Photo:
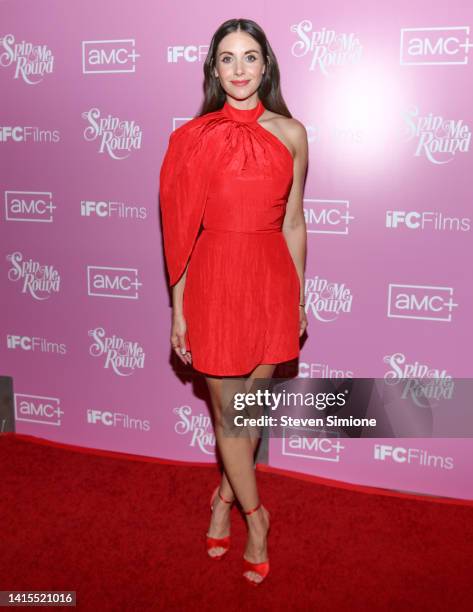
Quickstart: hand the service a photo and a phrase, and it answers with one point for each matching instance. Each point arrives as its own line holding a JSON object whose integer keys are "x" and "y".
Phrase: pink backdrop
{"x": 89, "y": 97}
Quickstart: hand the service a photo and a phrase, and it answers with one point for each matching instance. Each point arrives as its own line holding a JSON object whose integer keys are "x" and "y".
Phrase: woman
{"x": 238, "y": 286}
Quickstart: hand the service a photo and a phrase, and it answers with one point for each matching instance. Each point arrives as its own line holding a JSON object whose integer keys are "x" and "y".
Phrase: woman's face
{"x": 239, "y": 59}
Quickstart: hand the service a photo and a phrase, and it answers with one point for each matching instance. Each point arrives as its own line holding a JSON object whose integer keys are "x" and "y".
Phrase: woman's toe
{"x": 253, "y": 576}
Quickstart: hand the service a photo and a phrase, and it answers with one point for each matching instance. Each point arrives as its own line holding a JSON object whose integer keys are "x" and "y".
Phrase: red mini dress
{"x": 226, "y": 175}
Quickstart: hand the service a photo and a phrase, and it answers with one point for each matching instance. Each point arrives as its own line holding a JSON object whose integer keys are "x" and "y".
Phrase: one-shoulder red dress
{"x": 226, "y": 175}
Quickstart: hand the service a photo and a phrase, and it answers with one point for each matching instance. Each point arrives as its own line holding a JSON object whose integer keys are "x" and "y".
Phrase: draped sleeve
{"x": 183, "y": 186}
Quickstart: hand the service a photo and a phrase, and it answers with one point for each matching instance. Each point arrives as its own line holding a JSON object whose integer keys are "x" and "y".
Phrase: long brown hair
{"x": 269, "y": 91}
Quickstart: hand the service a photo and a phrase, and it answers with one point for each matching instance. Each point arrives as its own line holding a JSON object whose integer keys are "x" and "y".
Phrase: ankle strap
{"x": 223, "y": 499}
{"x": 253, "y": 510}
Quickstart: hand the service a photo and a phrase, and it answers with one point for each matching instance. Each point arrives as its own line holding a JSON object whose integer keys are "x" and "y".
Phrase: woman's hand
{"x": 178, "y": 338}
{"x": 302, "y": 320}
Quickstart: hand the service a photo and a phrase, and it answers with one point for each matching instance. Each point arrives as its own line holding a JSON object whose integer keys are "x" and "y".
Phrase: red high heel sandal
{"x": 262, "y": 569}
{"x": 218, "y": 542}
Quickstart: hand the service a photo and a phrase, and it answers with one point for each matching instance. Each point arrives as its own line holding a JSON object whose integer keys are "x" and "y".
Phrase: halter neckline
{"x": 243, "y": 115}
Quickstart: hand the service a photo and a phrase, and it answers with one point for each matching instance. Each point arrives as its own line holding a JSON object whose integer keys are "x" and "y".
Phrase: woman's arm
{"x": 294, "y": 226}
{"x": 179, "y": 324}
{"x": 178, "y": 293}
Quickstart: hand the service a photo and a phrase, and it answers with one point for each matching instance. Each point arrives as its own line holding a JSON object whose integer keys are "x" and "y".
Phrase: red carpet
{"x": 130, "y": 535}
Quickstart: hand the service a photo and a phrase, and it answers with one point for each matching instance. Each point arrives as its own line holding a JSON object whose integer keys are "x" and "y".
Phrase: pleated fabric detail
{"x": 226, "y": 175}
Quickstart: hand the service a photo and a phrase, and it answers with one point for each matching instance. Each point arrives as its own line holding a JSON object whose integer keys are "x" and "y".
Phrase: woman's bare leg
{"x": 239, "y": 476}
{"x": 261, "y": 371}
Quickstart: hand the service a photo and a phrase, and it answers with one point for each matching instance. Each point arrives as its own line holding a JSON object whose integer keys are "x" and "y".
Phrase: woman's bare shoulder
{"x": 294, "y": 128}
{"x": 290, "y": 129}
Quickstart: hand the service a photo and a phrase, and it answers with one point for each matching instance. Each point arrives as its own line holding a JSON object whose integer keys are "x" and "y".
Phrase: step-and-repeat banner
{"x": 91, "y": 92}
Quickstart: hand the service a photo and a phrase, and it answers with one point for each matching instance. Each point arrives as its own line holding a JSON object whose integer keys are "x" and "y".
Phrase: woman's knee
{"x": 218, "y": 416}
